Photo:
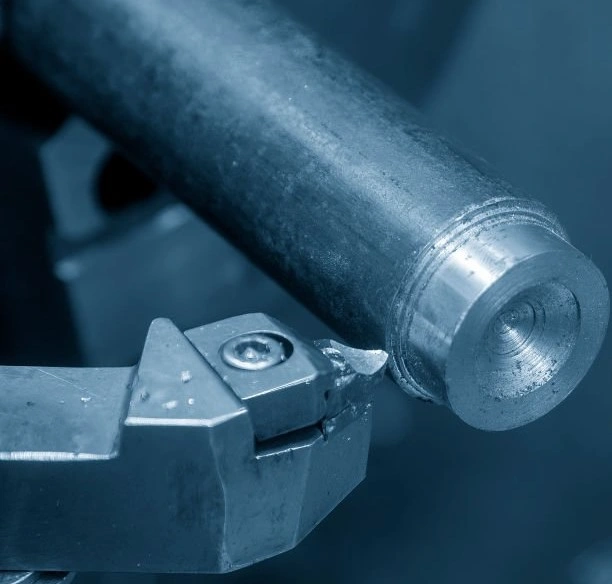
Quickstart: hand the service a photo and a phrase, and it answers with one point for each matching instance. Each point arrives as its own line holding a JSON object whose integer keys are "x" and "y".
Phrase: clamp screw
{"x": 256, "y": 351}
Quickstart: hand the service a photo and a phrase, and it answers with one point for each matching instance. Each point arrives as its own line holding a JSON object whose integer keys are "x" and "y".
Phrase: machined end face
{"x": 506, "y": 317}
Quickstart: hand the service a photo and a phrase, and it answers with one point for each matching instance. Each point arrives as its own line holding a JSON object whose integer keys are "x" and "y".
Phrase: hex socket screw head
{"x": 256, "y": 351}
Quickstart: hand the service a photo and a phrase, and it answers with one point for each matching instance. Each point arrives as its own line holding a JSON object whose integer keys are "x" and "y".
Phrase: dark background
{"x": 526, "y": 84}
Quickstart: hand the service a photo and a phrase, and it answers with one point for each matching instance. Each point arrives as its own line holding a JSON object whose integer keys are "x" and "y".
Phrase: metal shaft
{"x": 337, "y": 189}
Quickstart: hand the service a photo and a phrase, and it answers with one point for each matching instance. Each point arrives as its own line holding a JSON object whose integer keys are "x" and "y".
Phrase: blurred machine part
{"x": 593, "y": 565}
{"x": 224, "y": 446}
{"x": 338, "y": 190}
{"x": 109, "y": 219}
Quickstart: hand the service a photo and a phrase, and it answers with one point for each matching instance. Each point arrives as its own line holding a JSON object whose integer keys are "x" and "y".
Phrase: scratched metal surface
{"x": 76, "y": 411}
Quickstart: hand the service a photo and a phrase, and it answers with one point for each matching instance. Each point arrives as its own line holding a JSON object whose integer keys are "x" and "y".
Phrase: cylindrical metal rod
{"x": 337, "y": 189}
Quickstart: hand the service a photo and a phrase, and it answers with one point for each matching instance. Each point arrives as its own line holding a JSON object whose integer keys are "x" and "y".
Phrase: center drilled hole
{"x": 512, "y": 328}
{"x": 528, "y": 341}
